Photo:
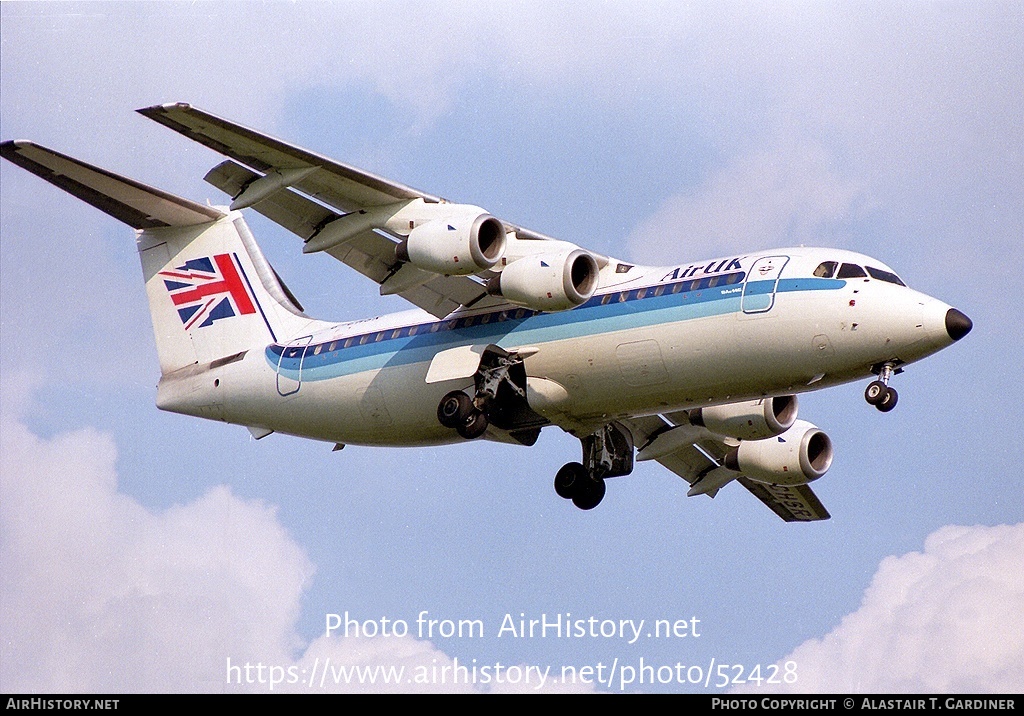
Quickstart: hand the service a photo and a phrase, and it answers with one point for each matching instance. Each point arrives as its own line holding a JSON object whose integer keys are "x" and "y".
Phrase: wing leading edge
{"x": 370, "y": 252}
{"x": 340, "y": 185}
{"x": 304, "y": 192}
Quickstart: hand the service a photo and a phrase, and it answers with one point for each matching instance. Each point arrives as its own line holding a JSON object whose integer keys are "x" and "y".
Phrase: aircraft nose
{"x": 958, "y": 324}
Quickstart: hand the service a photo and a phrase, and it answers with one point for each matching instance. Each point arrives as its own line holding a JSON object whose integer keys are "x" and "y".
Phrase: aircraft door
{"x": 761, "y": 284}
{"x": 289, "y": 380}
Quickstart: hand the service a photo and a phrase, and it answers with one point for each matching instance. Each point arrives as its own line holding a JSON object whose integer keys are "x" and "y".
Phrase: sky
{"x": 144, "y": 551}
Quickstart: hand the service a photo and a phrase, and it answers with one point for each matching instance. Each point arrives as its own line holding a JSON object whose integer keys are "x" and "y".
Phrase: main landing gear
{"x": 573, "y": 482}
{"x": 457, "y": 410}
{"x": 499, "y": 399}
{"x": 878, "y": 392}
{"x": 606, "y": 453}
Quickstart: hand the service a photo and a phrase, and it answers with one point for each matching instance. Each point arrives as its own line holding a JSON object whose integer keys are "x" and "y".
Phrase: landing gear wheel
{"x": 568, "y": 478}
{"x": 876, "y": 392}
{"x": 454, "y": 409}
{"x": 588, "y": 494}
{"x": 473, "y": 426}
{"x": 888, "y": 402}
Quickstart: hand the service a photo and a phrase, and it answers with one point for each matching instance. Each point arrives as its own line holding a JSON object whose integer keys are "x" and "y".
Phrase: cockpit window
{"x": 851, "y": 271}
{"x": 884, "y": 276}
{"x": 826, "y": 269}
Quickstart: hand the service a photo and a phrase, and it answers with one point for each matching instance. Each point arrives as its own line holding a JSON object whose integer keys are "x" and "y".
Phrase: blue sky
{"x": 141, "y": 550}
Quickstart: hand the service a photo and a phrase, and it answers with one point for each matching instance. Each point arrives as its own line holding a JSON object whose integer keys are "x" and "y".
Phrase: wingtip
{"x": 10, "y": 147}
{"x": 157, "y": 108}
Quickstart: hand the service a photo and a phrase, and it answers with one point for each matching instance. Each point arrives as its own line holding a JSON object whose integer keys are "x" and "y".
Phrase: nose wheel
{"x": 878, "y": 392}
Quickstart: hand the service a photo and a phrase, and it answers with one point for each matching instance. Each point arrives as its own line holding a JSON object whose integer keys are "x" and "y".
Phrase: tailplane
{"x": 211, "y": 292}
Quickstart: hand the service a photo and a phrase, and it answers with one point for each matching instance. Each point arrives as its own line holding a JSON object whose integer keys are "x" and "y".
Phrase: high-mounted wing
{"x": 280, "y": 181}
{"x": 697, "y": 455}
{"x": 339, "y": 185}
{"x": 368, "y": 252}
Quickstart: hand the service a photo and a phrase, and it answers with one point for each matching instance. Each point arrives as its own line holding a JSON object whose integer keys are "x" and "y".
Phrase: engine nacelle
{"x": 548, "y": 282}
{"x": 798, "y": 456}
{"x": 460, "y": 244}
{"x": 749, "y": 420}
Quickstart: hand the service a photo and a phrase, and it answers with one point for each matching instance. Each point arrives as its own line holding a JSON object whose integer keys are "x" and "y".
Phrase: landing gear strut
{"x": 606, "y": 453}
{"x": 498, "y": 399}
{"x": 878, "y": 392}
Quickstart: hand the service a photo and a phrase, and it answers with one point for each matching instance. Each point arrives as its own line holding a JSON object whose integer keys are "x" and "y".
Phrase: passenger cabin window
{"x": 851, "y": 271}
{"x": 884, "y": 276}
{"x": 826, "y": 269}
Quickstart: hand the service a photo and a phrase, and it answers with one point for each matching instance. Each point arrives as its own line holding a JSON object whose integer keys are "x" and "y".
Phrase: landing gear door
{"x": 454, "y": 363}
{"x": 761, "y": 284}
{"x": 289, "y": 366}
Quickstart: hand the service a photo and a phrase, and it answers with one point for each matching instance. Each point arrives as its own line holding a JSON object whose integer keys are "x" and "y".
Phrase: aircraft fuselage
{"x": 661, "y": 340}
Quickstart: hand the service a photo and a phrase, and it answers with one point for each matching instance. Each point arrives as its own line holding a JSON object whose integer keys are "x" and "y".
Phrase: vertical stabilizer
{"x": 212, "y": 293}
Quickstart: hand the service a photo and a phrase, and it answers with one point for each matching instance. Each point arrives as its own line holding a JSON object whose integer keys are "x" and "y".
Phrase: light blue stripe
{"x": 593, "y": 318}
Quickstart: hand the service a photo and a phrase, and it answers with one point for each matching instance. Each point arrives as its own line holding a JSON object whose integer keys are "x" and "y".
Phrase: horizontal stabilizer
{"x": 136, "y": 204}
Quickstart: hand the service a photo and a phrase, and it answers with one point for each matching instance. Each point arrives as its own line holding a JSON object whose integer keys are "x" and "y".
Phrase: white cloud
{"x": 789, "y": 196}
{"x": 943, "y": 620}
{"x": 100, "y": 594}
{"x": 406, "y": 665}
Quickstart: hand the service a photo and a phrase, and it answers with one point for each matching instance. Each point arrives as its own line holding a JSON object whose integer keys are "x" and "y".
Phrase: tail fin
{"x": 211, "y": 292}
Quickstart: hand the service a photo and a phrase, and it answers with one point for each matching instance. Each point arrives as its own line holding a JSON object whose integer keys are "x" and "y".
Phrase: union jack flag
{"x": 207, "y": 289}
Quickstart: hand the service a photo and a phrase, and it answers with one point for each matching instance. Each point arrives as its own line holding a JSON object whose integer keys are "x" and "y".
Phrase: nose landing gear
{"x": 878, "y": 392}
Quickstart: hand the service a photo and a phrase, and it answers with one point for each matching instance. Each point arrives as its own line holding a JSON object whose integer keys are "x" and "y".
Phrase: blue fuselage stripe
{"x": 602, "y": 314}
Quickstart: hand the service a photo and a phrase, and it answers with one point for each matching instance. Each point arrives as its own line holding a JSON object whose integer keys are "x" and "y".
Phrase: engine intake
{"x": 454, "y": 245}
{"x": 548, "y": 282}
{"x": 798, "y": 456}
{"x": 749, "y": 420}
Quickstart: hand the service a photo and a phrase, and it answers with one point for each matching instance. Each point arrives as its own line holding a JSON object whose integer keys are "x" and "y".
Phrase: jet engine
{"x": 456, "y": 245}
{"x": 798, "y": 456}
{"x": 548, "y": 282}
{"x": 749, "y": 420}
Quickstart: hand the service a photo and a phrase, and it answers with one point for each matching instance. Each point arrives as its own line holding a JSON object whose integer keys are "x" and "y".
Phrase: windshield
{"x": 884, "y": 276}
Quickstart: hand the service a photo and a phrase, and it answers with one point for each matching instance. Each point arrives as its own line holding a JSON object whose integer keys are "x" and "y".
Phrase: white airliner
{"x": 696, "y": 366}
